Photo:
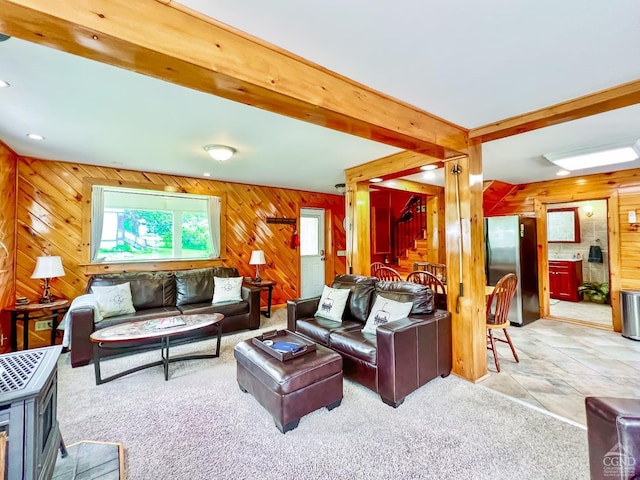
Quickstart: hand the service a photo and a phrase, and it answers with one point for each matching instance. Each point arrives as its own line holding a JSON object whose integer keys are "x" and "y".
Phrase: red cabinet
{"x": 565, "y": 277}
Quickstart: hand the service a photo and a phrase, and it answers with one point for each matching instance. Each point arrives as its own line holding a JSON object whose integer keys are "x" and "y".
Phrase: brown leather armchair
{"x": 401, "y": 356}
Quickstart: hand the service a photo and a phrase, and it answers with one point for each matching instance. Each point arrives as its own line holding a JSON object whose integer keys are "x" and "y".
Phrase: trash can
{"x": 630, "y": 302}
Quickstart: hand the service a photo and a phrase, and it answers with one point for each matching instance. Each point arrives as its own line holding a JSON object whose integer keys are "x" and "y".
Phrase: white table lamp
{"x": 46, "y": 269}
{"x": 257, "y": 259}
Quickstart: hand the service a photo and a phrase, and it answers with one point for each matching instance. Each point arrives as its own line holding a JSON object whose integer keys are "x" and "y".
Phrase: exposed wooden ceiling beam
{"x": 599, "y": 102}
{"x": 391, "y": 166}
{"x": 184, "y": 47}
{"x": 409, "y": 186}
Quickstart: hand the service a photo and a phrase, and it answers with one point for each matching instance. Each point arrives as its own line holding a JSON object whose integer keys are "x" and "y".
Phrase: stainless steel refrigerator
{"x": 511, "y": 247}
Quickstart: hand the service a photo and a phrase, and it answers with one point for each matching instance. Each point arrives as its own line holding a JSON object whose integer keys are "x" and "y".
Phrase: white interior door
{"x": 311, "y": 252}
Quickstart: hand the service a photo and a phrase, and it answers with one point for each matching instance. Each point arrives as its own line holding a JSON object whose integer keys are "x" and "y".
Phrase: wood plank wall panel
{"x": 8, "y": 161}
{"x": 49, "y": 221}
{"x": 629, "y": 200}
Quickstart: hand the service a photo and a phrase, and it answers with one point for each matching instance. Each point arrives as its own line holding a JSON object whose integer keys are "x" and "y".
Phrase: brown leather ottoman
{"x": 290, "y": 389}
{"x": 613, "y": 431}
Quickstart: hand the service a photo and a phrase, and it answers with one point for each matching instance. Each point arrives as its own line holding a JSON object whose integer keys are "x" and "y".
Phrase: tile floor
{"x": 562, "y": 363}
{"x": 584, "y": 311}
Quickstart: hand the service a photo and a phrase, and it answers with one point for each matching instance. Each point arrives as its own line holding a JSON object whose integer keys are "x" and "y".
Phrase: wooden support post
{"x": 359, "y": 235}
{"x": 437, "y": 225}
{"x": 467, "y": 307}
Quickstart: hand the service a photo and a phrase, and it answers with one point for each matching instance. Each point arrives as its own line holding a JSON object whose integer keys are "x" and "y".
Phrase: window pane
{"x": 309, "y": 236}
{"x": 196, "y": 236}
{"x": 136, "y": 235}
{"x": 141, "y": 225}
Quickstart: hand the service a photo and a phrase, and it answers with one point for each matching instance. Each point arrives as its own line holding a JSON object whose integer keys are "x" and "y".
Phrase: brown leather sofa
{"x": 613, "y": 433}
{"x": 161, "y": 294}
{"x": 402, "y": 356}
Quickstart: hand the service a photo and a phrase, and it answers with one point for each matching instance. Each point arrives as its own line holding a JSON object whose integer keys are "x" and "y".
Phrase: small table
{"x": 263, "y": 285}
{"x": 53, "y": 312}
{"x": 140, "y": 330}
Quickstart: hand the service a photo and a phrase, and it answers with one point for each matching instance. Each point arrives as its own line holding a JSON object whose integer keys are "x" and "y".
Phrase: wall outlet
{"x": 342, "y": 253}
{"x": 43, "y": 325}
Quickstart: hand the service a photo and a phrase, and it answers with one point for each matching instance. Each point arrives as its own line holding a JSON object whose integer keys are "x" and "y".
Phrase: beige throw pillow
{"x": 114, "y": 300}
{"x": 384, "y": 311}
{"x": 227, "y": 289}
{"x": 332, "y": 303}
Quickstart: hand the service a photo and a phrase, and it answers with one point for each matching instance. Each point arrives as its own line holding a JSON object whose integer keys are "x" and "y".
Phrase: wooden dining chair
{"x": 375, "y": 266}
{"x": 388, "y": 273}
{"x": 437, "y": 269}
{"x": 498, "y": 314}
{"x": 435, "y": 284}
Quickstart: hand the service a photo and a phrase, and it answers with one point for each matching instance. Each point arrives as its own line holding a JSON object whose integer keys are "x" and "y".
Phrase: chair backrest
{"x": 503, "y": 293}
{"x": 431, "y": 281}
{"x": 375, "y": 266}
{"x": 437, "y": 269}
{"x": 388, "y": 273}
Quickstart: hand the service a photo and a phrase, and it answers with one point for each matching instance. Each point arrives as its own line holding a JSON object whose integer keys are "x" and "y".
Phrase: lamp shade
{"x": 257, "y": 258}
{"x": 48, "y": 267}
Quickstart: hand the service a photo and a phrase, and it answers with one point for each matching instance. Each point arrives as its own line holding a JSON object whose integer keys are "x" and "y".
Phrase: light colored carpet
{"x": 199, "y": 425}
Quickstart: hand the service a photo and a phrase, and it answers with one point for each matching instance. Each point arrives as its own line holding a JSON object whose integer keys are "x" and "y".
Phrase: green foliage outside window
{"x": 195, "y": 232}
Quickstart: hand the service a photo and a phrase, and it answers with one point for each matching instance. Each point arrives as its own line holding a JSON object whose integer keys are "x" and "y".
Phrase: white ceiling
{"x": 471, "y": 63}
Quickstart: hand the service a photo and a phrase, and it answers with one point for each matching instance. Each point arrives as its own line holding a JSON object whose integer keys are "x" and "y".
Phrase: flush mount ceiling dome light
{"x": 220, "y": 152}
{"x": 596, "y": 156}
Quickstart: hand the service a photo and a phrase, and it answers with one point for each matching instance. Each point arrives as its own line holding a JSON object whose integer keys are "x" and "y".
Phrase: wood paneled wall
{"x": 49, "y": 221}
{"x": 8, "y": 161}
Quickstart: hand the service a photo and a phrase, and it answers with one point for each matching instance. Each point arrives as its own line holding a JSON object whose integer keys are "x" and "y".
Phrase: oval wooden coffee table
{"x": 141, "y": 330}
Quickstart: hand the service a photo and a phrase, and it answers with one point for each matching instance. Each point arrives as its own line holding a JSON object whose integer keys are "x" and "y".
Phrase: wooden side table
{"x": 53, "y": 311}
{"x": 263, "y": 285}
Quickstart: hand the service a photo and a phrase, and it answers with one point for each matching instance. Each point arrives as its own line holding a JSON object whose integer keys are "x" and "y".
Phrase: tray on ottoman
{"x": 268, "y": 340}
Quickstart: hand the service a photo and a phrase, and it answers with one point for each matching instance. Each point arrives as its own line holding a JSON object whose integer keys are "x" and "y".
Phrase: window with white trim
{"x": 129, "y": 225}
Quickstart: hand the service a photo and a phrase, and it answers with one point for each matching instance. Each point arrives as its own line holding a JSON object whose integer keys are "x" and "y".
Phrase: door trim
{"x": 329, "y": 262}
{"x": 613, "y": 227}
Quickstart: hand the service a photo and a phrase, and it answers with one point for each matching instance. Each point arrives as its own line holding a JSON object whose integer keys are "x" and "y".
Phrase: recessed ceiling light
{"x": 563, "y": 173}
{"x": 599, "y": 156}
{"x": 426, "y": 168}
{"x": 220, "y": 152}
{"x": 376, "y": 180}
{"x": 35, "y": 136}
{"x": 4, "y": 84}
{"x": 206, "y": 174}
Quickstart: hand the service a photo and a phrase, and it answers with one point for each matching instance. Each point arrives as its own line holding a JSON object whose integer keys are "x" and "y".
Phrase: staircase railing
{"x": 409, "y": 226}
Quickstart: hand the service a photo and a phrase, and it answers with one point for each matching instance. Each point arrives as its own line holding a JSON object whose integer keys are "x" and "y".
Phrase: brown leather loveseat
{"x": 401, "y": 356}
{"x": 160, "y": 294}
